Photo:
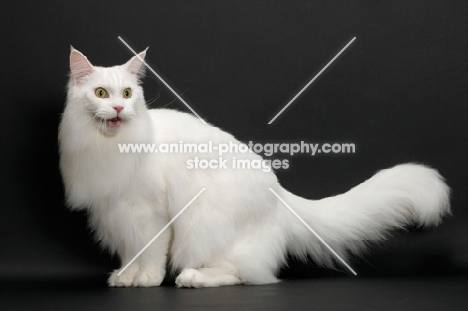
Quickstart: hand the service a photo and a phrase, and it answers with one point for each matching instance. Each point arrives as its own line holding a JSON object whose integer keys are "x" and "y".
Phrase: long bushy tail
{"x": 392, "y": 198}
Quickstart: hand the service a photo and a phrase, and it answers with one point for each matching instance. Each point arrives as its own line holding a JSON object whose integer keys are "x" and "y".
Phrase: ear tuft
{"x": 136, "y": 64}
{"x": 80, "y": 67}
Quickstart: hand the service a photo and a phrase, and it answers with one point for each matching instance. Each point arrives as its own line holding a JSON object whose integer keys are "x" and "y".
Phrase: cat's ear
{"x": 80, "y": 67}
{"x": 135, "y": 64}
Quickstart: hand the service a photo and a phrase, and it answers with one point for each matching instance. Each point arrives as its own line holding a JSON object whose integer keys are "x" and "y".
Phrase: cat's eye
{"x": 127, "y": 93}
{"x": 100, "y": 92}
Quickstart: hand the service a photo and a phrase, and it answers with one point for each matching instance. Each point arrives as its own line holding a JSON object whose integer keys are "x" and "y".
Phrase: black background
{"x": 398, "y": 93}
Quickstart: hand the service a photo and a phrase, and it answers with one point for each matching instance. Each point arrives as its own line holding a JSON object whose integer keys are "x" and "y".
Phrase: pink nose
{"x": 118, "y": 108}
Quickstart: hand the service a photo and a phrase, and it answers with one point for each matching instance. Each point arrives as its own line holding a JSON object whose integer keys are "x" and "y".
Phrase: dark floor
{"x": 347, "y": 293}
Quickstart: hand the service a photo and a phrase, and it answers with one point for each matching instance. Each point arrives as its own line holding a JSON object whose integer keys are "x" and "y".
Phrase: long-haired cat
{"x": 237, "y": 231}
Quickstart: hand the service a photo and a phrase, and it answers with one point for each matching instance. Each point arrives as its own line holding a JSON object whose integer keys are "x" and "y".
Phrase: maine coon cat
{"x": 237, "y": 231}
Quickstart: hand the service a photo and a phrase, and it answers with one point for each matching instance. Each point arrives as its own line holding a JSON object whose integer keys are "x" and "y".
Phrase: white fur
{"x": 236, "y": 231}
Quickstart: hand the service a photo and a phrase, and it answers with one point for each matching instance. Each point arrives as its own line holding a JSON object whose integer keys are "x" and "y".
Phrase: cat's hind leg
{"x": 254, "y": 259}
{"x": 207, "y": 277}
{"x": 247, "y": 263}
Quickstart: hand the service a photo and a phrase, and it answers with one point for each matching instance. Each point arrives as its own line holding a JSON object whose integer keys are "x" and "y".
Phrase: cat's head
{"x": 105, "y": 97}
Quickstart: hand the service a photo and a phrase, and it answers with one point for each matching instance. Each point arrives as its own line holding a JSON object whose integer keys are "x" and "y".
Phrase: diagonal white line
{"x": 313, "y": 79}
{"x": 315, "y": 233}
{"x": 159, "y": 233}
{"x": 162, "y": 80}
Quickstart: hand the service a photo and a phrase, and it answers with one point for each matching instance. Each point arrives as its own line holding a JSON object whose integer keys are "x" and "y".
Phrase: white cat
{"x": 236, "y": 231}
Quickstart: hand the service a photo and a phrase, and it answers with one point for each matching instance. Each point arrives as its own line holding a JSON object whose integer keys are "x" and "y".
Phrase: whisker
{"x": 101, "y": 126}
{"x": 152, "y": 100}
{"x": 87, "y": 121}
{"x": 172, "y": 101}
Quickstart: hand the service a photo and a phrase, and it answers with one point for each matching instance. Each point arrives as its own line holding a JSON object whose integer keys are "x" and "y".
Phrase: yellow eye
{"x": 100, "y": 92}
{"x": 127, "y": 93}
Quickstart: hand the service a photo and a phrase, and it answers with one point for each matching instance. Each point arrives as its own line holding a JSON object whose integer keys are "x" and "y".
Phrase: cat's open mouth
{"x": 113, "y": 123}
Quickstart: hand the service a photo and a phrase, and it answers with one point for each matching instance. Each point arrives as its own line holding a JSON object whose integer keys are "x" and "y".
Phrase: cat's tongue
{"x": 113, "y": 123}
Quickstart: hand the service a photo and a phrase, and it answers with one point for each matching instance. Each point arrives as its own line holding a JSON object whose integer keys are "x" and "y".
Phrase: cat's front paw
{"x": 148, "y": 279}
{"x": 123, "y": 280}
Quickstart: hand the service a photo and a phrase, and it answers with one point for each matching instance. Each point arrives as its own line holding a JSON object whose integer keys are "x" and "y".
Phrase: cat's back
{"x": 172, "y": 126}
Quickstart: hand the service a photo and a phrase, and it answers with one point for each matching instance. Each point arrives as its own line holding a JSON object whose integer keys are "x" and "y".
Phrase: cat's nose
{"x": 118, "y": 108}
